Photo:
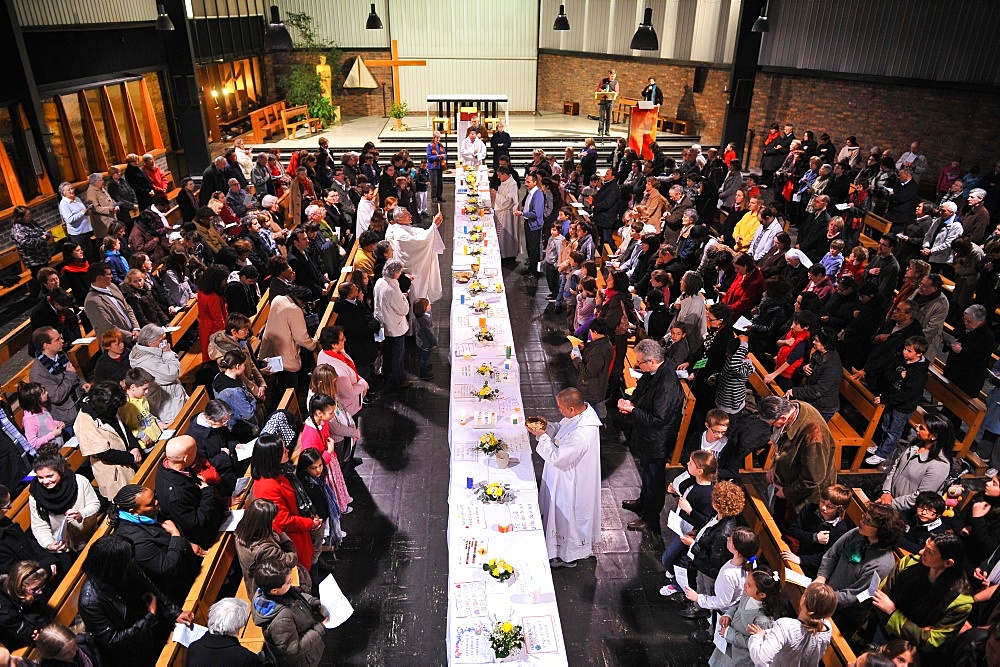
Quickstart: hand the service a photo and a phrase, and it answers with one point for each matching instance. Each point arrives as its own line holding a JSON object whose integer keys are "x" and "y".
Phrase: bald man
{"x": 191, "y": 492}
{"x": 570, "y": 493}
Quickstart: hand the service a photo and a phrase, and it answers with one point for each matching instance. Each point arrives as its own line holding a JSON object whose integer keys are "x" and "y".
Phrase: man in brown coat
{"x": 653, "y": 202}
{"x": 104, "y": 210}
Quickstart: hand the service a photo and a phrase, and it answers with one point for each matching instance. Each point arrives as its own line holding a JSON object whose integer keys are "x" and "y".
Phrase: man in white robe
{"x": 504, "y": 202}
{"x": 473, "y": 150}
{"x": 418, "y": 249}
{"x": 570, "y": 495}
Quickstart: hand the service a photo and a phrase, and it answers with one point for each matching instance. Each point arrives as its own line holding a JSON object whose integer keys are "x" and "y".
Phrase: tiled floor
{"x": 393, "y": 564}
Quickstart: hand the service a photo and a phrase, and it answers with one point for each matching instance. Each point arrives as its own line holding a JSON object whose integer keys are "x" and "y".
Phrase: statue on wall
{"x": 325, "y": 78}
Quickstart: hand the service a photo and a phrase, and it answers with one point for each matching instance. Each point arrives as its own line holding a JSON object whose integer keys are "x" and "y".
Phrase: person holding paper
{"x": 592, "y": 360}
{"x": 64, "y": 506}
{"x": 292, "y": 620}
{"x": 221, "y": 645}
{"x": 743, "y": 544}
{"x": 862, "y": 553}
{"x": 796, "y": 641}
{"x": 569, "y": 498}
{"x": 761, "y": 603}
{"x": 693, "y": 489}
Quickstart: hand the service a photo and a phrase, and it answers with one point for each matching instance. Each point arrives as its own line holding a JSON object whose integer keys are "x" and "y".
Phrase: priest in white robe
{"x": 504, "y": 202}
{"x": 570, "y": 494}
{"x": 472, "y": 150}
{"x": 418, "y": 249}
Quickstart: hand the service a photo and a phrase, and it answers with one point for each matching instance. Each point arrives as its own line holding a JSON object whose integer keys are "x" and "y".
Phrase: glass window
{"x": 59, "y": 146}
{"x": 11, "y": 136}
{"x": 121, "y": 117}
{"x": 71, "y": 105}
{"x": 135, "y": 95}
{"x": 156, "y": 99}
{"x": 103, "y": 125}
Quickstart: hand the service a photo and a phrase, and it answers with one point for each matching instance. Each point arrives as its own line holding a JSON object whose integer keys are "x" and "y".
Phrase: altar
{"x": 448, "y": 105}
{"x": 486, "y": 406}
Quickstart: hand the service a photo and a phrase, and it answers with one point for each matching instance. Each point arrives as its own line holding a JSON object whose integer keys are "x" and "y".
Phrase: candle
{"x": 468, "y": 482}
{"x": 465, "y": 229}
{"x": 513, "y": 419}
{"x": 465, "y": 248}
{"x": 482, "y": 322}
{"x": 506, "y": 365}
{"x": 508, "y": 351}
{"x": 461, "y": 417}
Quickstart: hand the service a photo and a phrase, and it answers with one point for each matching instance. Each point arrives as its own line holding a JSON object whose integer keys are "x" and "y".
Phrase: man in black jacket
{"x": 241, "y": 294}
{"x": 185, "y": 495}
{"x": 606, "y": 206}
{"x": 903, "y": 201}
{"x": 213, "y": 179}
{"x": 654, "y": 415}
{"x": 887, "y": 350}
{"x": 969, "y": 359}
{"x": 57, "y": 310}
{"x": 307, "y": 274}
{"x": 360, "y": 327}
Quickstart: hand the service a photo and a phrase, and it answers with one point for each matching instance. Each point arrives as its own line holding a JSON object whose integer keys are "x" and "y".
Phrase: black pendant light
{"x": 644, "y": 38}
{"x": 276, "y": 37}
{"x": 562, "y": 23}
{"x": 163, "y": 21}
{"x": 374, "y": 22}
{"x": 761, "y": 24}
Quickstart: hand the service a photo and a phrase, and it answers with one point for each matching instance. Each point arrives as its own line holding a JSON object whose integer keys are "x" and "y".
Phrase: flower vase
{"x": 513, "y": 657}
{"x": 503, "y": 459}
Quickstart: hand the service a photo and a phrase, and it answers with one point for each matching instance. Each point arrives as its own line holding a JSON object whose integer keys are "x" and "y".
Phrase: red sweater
{"x": 794, "y": 354}
{"x": 288, "y": 521}
{"x": 212, "y": 314}
{"x": 745, "y": 292}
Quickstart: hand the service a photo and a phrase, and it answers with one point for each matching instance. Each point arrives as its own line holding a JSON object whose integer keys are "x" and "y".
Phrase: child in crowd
{"x": 39, "y": 425}
{"x": 753, "y": 190}
{"x": 905, "y": 388}
{"x": 291, "y": 619}
{"x": 550, "y": 261}
{"x": 135, "y": 413}
{"x": 834, "y": 260}
{"x": 760, "y": 605}
{"x": 564, "y": 218}
{"x": 421, "y": 181}
{"x": 714, "y": 438}
{"x": 571, "y": 274}
{"x": 709, "y": 551}
{"x": 797, "y": 641}
{"x": 731, "y": 382}
{"x": 743, "y": 545}
{"x": 792, "y": 349}
{"x": 318, "y": 432}
{"x": 424, "y": 334}
{"x": 678, "y": 348}
{"x": 311, "y": 471}
{"x": 693, "y": 489}
{"x": 113, "y": 256}
{"x": 816, "y": 527}
{"x": 231, "y": 390}
{"x": 925, "y": 521}
{"x": 586, "y": 304}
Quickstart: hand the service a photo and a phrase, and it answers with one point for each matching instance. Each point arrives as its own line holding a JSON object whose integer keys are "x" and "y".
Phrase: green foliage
{"x": 311, "y": 42}
{"x": 398, "y": 110}
{"x": 302, "y": 83}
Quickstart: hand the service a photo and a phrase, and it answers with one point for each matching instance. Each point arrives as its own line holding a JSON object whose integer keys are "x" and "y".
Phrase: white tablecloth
{"x": 476, "y": 601}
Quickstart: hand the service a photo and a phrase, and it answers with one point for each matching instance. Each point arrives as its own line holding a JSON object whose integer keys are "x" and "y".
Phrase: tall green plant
{"x": 302, "y": 83}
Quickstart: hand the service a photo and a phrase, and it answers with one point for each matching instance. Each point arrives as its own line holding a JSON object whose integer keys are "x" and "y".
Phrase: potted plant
{"x": 398, "y": 111}
{"x": 506, "y": 639}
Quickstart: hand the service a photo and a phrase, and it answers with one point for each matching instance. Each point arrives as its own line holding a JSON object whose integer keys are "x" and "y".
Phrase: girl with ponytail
{"x": 796, "y": 641}
{"x": 760, "y": 605}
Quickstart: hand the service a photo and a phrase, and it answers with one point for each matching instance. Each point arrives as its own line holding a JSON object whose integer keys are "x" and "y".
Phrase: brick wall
{"x": 353, "y": 102}
{"x": 571, "y": 78}
{"x": 947, "y": 123}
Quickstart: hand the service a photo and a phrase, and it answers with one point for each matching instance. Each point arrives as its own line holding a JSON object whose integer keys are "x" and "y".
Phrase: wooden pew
{"x": 15, "y": 341}
{"x": 972, "y": 411}
{"x": 845, "y": 434}
{"x": 10, "y": 261}
{"x": 758, "y": 518}
{"x": 763, "y": 389}
{"x": 291, "y": 125}
{"x": 876, "y": 223}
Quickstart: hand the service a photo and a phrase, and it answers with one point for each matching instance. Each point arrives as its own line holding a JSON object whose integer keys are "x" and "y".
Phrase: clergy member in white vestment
{"x": 504, "y": 202}
{"x": 570, "y": 495}
{"x": 473, "y": 150}
{"x": 418, "y": 249}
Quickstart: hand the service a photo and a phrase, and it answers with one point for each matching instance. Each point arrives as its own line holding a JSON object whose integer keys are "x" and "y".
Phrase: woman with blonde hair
{"x": 22, "y": 612}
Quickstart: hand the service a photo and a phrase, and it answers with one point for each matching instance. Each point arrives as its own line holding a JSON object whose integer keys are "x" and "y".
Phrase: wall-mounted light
{"x": 373, "y": 22}
{"x": 163, "y": 21}
{"x": 761, "y": 24}
{"x": 215, "y": 93}
{"x": 276, "y": 37}
{"x": 645, "y": 38}
{"x": 562, "y": 22}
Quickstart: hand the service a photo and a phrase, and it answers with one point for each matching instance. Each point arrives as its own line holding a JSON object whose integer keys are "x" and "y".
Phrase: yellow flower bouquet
{"x": 484, "y": 335}
{"x": 499, "y": 569}
{"x": 487, "y": 393}
{"x": 506, "y": 638}
{"x": 476, "y": 287}
{"x": 487, "y": 370}
{"x": 494, "y": 492}
{"x": 475, "y": 250}
{"x": 489, "y": 444}
{"x": 480, "y": 306}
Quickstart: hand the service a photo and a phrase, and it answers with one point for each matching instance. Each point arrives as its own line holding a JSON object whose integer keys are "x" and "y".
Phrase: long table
{"x": 476, "y": 602}
{"x": 448, "y": 105}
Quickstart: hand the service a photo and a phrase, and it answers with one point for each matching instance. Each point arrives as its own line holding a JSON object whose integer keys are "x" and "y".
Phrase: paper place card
{"x": 276, "y": 364}
{"x": 842, "y": 207}
{"x": 472, "y": 552}
{"x": 472, "y": 644}
{"x": 465, "y": 451}
{"x": 539, "y": 634}
{"x": 244, "y": 450}
{"x": 742, "y": 324}
{"x": 525, "y": 516}
{"x": 241, "y": 484}
{"x": 872, "y": 587}
{"x": 797, "y": 578}
{"x": 231, "y": 521}
{"x": 469, "y": 598}
{"x": 634, "y": 373}
{"x": 171, "y": 329}
{"x": 338, "y": 609}
{"x": 72, "y": 443}
{"x": 470, "y": 517}
{"x": 186, "y": 636}
{"x": 464, "y": 391}
{"x": 84, "y": 341}
{"x": 465, "y": 350}
{"x": 168, "y": 433}
{"x": 719, "y": 641}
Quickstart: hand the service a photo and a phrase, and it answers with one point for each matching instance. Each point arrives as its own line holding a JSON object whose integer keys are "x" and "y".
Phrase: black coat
{"x": 137, "y": 178}
{"x": 715, "y": 358}
{"x": 307, "y": 274}
{"x": 812, "y": 236}
{"x": 212, "y": 180}
{"x": 822, "y": 388}
{"x": 710, "y": 552}
{"x": 241, "y": 298}
{"x": 606, "y": 205}
{"x": 16, "y": 545}
{"x": 164, "y": 558}
{"x": 221, "y": 651}
{"x": 360, "y": 327}
{"x": 658, "y": 399}
{"x": 765, "y": 328}
{"x": 43, "y": 315}
{"x": 14, "y": 463}
{"x": 212, "y": 440}
{"x": 968, "y": 368}
{"x": 19, "y": 621}
{"x": 903, "y": 204}
{"x": 125, "y": 632}
{"x": 803, "y": 530}
{"x": 198, "y": 513}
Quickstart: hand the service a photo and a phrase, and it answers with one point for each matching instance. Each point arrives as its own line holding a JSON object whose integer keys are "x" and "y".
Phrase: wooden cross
{"x": 395, "y": 63}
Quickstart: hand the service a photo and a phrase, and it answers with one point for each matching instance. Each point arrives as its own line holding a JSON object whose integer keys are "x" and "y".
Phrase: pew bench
{"x": 873, "y": 227}
{"x": 295, "y": 117}
{"x": 20, "y": 276}
{"x": 844, "y": 433}
{"x": 970, "y": 410}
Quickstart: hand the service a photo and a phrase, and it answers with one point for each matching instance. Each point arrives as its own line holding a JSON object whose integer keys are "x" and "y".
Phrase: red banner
{"x": 642, "y": 130}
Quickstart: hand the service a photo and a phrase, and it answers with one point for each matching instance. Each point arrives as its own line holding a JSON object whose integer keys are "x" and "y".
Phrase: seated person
{"x": 135, "y": 414}
{"x": 923, "y": 464}
{"x": 210, "y": 429}
{"x": 221, "y": 645}
{"x": 978, "y": 524}
{"x": 191, "y": 492}
{"x": 816, "y": 528}
{"x": 16, "y": 545}
{"x": 792, "y": 349}
{"x": 291, "y": 619}
{"x": 232, "y": 390}
{"x": 22, "y": 612}
{"x": 860, "y": 554}
{"x": 924, "y": 522}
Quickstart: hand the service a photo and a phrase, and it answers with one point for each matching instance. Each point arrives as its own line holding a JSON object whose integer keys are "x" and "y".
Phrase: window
{"x": 22, "y": 174}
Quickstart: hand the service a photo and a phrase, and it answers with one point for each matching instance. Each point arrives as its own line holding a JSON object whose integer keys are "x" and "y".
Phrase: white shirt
{"x": 473, "y": 152}
{"x": 366, "y": 208}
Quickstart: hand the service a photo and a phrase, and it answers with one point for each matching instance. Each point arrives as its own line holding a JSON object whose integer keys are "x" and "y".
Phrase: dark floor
{"x": 393, "y": 564}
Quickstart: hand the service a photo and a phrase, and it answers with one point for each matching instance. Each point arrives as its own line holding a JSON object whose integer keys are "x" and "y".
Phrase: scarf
{"x": 301, "y": 496}
{"x": 331, "y": 500}
{"x": 136, "y": 518}
{"x": 342, "y": 356}
{"x": 14, "y": 434}
{"x": 924, "y": 299}
{"x": 55, "y": 366}
{"x": 77, "y": 267}
{"x": 278, "y": 424}
{"x": 56, "y": 500}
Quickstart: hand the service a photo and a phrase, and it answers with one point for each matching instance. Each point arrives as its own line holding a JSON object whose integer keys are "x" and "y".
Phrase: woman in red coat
{"x": 295, "y": 515}
{"x": 212, "y": 308}
{"x": 747, "y": 289}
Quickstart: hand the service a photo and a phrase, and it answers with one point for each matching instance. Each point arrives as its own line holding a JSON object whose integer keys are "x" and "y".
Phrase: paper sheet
{"x": 634, "y": 373}
{"x": 241, "y": 484}
{"x": 842, "y": 207}
{"x": 677, "y": 524}
{"x": 681, "y": 577}
{"x": 742, "y": 324}
{"x": 797, "y": 578}
{"x": 338, "y": 608}
{"x": 539, "y": 634}
{"x": 171, "y": 329}
{"x": 231, "y": 521}
{"x": 872, "y": 587}
{"x": 275, "y": 364}
{"x": 84, "y": 341}
{"x": 245, "y": 450}
{"x": 72, "y": 442}
{"x": 58, "y": 536}
{"x": 574, "y": 341}
{"x": 186, "y": 636}
{"x": 167, "y": 434}
{"x": 470, "y": 598}
{"x": 719, "y": 640}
